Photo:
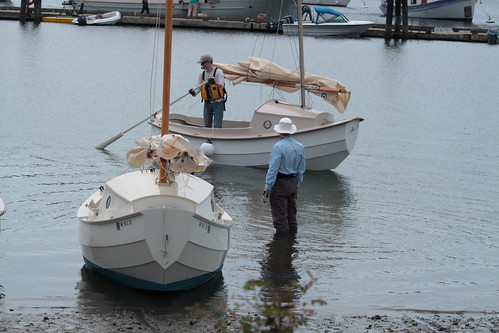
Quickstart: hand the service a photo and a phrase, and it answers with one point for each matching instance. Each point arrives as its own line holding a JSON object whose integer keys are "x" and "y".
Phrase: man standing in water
{"x": 284, "y": 176}
{"x": 213, "y": 92}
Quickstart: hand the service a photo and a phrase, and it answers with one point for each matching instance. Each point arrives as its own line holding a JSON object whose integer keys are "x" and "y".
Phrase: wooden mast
{"x": 300, "y": 50}
{"x": 165, "y": 120}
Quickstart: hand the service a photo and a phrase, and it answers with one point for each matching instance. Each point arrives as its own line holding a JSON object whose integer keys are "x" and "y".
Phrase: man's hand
{"x": 192, "y": 92}
{"x": 211, "y": 80}
{"x": 265, "y": 195}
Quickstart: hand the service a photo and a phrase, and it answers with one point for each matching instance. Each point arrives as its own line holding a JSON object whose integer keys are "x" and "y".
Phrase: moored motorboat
{"x": 328, "y": 22}
{"x": 109, "y": 18}
{"x": 460, "y": 10}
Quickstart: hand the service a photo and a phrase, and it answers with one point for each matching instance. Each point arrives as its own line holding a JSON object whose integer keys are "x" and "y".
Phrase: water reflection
{"x": 279, "y": 276}
{"x": 97, "y": 292}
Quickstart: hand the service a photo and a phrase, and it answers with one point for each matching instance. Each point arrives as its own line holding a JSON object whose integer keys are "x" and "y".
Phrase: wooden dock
{"x": 377, "y": 31}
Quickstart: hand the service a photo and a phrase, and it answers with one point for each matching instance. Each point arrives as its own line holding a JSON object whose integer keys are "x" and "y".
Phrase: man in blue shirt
{"x": 284, "y": 176}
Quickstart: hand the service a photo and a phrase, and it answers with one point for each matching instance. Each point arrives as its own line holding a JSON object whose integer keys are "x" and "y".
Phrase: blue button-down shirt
{"x": 288, "y": 157}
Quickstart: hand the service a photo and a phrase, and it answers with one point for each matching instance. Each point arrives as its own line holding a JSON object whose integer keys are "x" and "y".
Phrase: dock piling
{"x": 401, "y": 19}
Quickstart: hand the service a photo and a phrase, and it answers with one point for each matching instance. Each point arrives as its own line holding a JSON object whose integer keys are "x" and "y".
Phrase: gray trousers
{"x": 282, "y": 200}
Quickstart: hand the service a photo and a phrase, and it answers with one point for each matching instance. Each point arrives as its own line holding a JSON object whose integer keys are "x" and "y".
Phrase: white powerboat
{"x": 109, "y": 18}
{"x": 461, "y": 10}
{"x": 157, "y": 229}
{"x": 328, "y": 22}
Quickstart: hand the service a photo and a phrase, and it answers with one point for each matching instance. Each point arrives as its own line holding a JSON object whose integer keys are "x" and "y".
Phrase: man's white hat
{"x": 285, "y": 126}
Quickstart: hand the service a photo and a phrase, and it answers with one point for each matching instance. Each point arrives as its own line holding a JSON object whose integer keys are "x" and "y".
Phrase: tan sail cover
{"x": 269, "y": 73}
{"x": 177, "y": 150}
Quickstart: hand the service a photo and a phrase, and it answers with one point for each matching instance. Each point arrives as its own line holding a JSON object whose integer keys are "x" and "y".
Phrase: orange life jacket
{"x": 210, "y": 92}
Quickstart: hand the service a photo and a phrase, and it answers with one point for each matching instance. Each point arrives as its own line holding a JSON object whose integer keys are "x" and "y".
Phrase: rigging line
{"x": 154, "y": 61}
{"x": 483, "y": 10}
{"x": 154, "y": 66}
{"x": 275, "y": 37}
{"x": 152, "y": 80}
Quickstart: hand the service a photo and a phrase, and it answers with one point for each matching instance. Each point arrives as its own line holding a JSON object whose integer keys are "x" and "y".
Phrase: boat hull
{"x": 161, "y": 240}
{"x": 347, "y": 29}
{"x": 327, "y": 142}
{"x": 109, "y": 18}
{"x": 240, "y": 9}
{"x": 3, "y": 208}
{"x": 461, "y": 10}
{"x": 338, "y": 3}
{"x": 58, "y": 19}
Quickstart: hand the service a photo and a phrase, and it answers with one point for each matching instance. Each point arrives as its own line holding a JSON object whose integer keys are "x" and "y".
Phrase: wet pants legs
{"x": 283, "y": 205}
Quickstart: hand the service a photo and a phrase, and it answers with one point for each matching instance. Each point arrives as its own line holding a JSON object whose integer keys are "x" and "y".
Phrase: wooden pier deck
{"x": 377, "y": 31}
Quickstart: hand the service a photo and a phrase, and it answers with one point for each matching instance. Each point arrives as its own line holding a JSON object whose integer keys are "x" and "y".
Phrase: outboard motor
{"x": 287, "y": 19}
{"x": 82, "y": 20}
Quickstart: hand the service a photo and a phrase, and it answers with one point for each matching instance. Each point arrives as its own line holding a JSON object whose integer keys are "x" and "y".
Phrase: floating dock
{"x": 378, "y": 30}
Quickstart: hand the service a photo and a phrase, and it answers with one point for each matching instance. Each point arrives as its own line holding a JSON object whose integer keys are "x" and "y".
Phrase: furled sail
{"x": 266, "y": 72}
{"x": 181, "y": 154}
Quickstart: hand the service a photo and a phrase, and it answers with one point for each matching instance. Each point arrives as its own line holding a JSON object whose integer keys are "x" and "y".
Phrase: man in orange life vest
{"x": 212, "y": 93}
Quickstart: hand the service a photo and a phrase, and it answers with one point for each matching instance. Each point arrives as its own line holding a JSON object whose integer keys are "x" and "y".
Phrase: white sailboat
{"x": 248, "y": 143}
{"x": 157, "y": 229}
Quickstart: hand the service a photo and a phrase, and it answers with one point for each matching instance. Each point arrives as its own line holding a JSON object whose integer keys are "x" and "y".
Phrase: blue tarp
{"x": 323, "y": 10}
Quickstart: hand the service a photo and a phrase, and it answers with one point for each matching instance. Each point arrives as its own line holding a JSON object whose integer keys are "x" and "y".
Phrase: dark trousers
{"x": 145, "y": 7}
{"x": 282, "y": 200}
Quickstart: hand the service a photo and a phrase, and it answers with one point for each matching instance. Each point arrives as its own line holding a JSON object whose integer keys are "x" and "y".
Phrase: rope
{"x": 154, "y": 61}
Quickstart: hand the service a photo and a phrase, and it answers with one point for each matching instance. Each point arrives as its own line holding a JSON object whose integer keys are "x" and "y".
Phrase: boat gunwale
{"x": 88, "y": 220}
{"x": 214, "y": 223}
{"x": 211, "y": 132}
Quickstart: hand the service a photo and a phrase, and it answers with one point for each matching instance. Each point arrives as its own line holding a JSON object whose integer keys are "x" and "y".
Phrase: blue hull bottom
{"x": 147, "y": 285}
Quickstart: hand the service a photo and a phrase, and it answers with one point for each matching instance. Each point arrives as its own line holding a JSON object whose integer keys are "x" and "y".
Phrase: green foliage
{"x": 275, "y": 309}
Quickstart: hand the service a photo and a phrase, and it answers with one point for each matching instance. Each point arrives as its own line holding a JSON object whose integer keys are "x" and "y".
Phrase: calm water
{"x": 408, "y": 222}
{"x": 485, "y": 10}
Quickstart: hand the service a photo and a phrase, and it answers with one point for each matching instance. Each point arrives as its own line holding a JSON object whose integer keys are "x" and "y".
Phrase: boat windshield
{"x": 327, "y": 15}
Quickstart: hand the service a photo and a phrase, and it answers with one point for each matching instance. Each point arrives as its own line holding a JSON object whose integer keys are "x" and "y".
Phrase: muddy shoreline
{"x": 123, "y": 320}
